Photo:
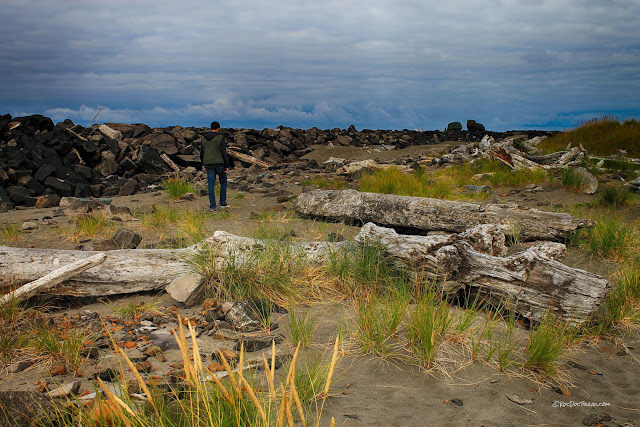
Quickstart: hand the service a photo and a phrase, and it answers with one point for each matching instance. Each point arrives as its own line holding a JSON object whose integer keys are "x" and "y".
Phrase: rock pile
{"x": 40, "y": 161}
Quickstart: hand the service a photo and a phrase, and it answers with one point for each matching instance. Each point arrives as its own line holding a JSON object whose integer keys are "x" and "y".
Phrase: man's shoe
{"x": 212, "y": 209}
{"x": 224, "y": 206}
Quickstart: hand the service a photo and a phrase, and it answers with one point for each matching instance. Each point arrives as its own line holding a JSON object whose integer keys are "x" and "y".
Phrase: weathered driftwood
{"x": 134, "y": 270}
{"x": 109, "y": 132}
{"x": 80, "y": 137}
{"x": 54, "y": 278}
{"x": 531, "y": 282}
{"x": 435, "y": 214}
{"x": 247, "y": 158}
{"x": 169, "y": 162}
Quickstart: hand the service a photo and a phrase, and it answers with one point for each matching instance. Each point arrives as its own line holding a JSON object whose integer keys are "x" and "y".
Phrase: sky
{"x": 376, "y": 64}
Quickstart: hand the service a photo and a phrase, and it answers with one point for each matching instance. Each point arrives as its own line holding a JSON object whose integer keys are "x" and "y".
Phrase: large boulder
{"x": 26, "y": 408}
{"x": 60, "y": 186}
{"x": 162, "y": 143}
{"x": 454, "y": 126}
{"x": 473, "y": 126}
{"x": 149, "y": 161}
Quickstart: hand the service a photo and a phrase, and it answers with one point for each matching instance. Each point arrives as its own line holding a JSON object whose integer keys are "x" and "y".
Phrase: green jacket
{"x": 213, "y": 150}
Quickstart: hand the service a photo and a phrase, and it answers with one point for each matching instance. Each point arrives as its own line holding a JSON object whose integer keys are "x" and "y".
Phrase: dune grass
{"x": 177, "y": 187}
{"x": 547, "y": 342}
{"x": 613, "y": 197}
{"x": 449, "y": 182}
{"x": 10, "y": 233}
{"x": 188, "y": 226}
{"x": 611, "y": 237}
{"x": 89, "y": 226}
{"x": 600, "y": 136}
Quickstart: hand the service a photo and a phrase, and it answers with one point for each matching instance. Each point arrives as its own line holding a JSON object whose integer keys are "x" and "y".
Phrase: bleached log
{"x": 80, "y": 137}
{"x": 109, "y": 132}
{"x": 247, "y": 158}
{"x": 567, "y": 157}
{"x": 169, "y": 162}
{"x": 532, "y": 282}
{"x": 135, "y": 270}
{"x": 428, "y": 214}
{"x": 55, "y": 277}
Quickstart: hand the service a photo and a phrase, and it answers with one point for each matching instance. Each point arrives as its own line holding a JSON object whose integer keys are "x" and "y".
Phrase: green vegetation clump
{"x": 610, "y": 238}
{"x": 10, "y": 233}
{"x": 449, "y": 182}
{"x": 177, "y": 187}
{"x": 613, "y": 197}
{"x": 418, "y": 183}
{"x": 599, "y": 136}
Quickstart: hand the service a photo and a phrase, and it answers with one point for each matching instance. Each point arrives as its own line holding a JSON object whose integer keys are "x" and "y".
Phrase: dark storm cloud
{"x": 377, "y": 64}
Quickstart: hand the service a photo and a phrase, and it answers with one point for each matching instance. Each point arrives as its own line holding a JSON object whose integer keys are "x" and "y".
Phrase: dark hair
{"x": 215, "y": 125}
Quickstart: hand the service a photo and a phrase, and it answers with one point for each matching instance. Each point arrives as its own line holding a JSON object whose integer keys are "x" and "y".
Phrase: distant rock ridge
{"x": 40, "y": 158}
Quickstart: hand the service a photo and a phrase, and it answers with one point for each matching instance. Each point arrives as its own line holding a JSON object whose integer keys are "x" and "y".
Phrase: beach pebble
{"x": 593, "y": 419}
{"x": 519, "y": 400}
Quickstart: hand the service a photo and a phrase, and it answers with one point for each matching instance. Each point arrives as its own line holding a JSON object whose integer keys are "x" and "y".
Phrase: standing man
{"x": 213, "y": 155}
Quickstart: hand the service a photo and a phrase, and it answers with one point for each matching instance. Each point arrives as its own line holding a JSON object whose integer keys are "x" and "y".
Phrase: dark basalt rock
{"x": 68, "y": 159}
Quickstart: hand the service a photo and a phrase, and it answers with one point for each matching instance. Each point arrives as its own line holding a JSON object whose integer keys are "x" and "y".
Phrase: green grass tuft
{"x": 613, "y": 197}
{"x": 177, "y": 187}
{"x": 426, "y": 328}
{"x": 547, "y": 343}
{"x": 10, "y": 233}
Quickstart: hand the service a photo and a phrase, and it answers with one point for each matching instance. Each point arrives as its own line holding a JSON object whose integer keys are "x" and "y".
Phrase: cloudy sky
{"x": 509, "y": 64}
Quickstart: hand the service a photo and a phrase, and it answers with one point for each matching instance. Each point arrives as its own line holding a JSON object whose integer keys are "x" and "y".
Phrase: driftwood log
{"x": 247, "y": 158}
{"x": 423, "y": 213}
{"x": 53, "y": 278}
{"x": 532, "y": 282}
{"x": 134, "y": 270}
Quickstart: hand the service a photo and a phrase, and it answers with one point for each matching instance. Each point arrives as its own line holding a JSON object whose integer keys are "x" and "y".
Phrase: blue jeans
{"x": 211, "y": 182}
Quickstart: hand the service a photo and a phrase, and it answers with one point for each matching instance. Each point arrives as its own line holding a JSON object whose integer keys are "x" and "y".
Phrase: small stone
{"x": 230, "y": 356}
{"x": 187, "y": 288}
{"x": 108, "y": 374}
{"x": 29, "y": 225}
{"x": 576, "y": 365}
{"x": 19, "y": 366}
{"x": 91, "y": 352}
{"x": 47, "y": 201}
{"x": 255, "y": 343}
{"x": 58, "y": 370}
{"x": 216, "y": 367}
{"x": 519, "y": 400}
{"x": 152, "y": 351}
{"x": 66, "y": 390}
{"x": 243, "y": 317}
{"x": 594, "y": 419}
{"x": 164, "y": 340}
{"x": 494, "y": 380}
{"x": 458, "y": 402}
{"x": 188, "y": 196}
{"x": 209, "y": 304}
{"x": 145, "y": 366}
